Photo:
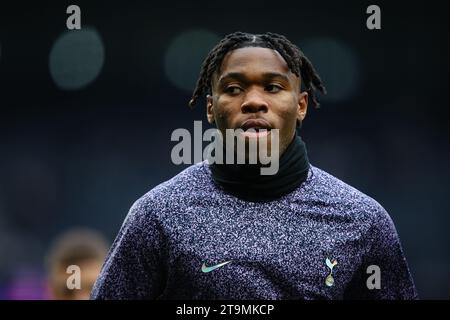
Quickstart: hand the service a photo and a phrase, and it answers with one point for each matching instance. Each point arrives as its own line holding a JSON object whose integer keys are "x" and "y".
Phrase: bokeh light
{"x": 185, "y": 55}
{"x": 336, "y": 64}
{"x": 76, "y": 58}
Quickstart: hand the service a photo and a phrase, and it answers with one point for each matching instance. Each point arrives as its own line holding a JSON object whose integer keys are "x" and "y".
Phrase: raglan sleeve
{"x": 134, "y": 267}
{"x": 384, "y": 273}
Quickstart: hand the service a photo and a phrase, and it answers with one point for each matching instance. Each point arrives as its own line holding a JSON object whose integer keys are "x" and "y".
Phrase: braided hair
{"x": 297, "y": 62}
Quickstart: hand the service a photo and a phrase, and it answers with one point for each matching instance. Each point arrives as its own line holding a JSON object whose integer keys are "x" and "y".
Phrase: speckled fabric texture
{"x": 277, "y": 249}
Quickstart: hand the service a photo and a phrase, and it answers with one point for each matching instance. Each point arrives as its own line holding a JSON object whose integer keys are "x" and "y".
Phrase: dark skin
{"x": 256, "y": 83}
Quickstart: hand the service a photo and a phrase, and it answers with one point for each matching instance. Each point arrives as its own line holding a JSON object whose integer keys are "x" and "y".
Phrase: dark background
{"x": 85, "y": 124}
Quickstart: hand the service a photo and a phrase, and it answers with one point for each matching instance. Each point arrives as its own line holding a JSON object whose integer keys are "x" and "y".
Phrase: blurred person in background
{"x": 83, "y": 248}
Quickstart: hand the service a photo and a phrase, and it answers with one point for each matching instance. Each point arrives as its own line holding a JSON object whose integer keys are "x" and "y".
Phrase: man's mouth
{"x": 255, "y": 128}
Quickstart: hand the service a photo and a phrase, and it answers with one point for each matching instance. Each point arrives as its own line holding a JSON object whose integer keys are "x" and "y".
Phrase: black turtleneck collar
{"x": 246, "y": 182}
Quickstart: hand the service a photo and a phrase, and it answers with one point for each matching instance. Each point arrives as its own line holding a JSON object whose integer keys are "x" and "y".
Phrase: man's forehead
{"x": 255, "y": 61}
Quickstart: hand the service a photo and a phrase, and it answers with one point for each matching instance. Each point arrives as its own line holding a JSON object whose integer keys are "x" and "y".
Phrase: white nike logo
{"x": 206, "y": 269}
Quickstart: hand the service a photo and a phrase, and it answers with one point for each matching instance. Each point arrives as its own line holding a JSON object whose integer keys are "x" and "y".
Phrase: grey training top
{"x": 274, "y": 250}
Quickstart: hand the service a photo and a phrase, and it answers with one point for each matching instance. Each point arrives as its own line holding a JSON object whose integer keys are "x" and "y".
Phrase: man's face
{"x": 256, "y": 83}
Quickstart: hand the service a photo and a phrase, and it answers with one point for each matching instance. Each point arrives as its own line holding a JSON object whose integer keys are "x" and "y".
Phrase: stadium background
{"x": 86, "y": 116}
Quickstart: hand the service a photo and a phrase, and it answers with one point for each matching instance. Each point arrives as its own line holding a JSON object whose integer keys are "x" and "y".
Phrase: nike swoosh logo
{"x": 206, "y": 269}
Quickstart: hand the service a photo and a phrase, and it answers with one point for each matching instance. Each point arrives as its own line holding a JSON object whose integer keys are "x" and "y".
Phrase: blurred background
{"x": 86, "y": 116}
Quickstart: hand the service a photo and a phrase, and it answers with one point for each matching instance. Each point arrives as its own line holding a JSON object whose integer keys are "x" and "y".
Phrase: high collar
{"x": 246, "y": 182}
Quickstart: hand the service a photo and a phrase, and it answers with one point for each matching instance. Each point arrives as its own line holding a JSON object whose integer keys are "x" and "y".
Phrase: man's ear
{"x": 209, "y": 109}
{"x": 302, "y": 106}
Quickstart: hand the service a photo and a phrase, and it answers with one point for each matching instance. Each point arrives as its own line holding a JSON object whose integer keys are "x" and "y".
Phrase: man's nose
{"x": 254, "y": 102}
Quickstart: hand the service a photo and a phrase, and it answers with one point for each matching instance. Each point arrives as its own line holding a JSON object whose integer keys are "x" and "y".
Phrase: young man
{"x": 224, "y": 231}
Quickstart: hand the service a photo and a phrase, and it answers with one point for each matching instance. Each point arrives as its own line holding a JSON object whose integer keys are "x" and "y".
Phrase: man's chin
{"x": 255, "y": 147}
{"x": 255, "y": 134}
{"x": 251, "y": 145}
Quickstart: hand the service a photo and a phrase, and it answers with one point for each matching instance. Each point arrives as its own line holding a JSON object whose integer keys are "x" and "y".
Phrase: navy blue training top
{"x": 189, "y": 239}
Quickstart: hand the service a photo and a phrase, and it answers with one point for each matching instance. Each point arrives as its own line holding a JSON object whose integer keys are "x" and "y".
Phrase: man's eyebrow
{"x": 241, "y": 77}
{"x": 232, "y": 76}
{"x": 271, "y": 75}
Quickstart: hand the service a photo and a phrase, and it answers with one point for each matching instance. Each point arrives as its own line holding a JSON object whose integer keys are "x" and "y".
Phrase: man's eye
{"x": 233, "y": 90}
{"x": 273, "y": 88}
